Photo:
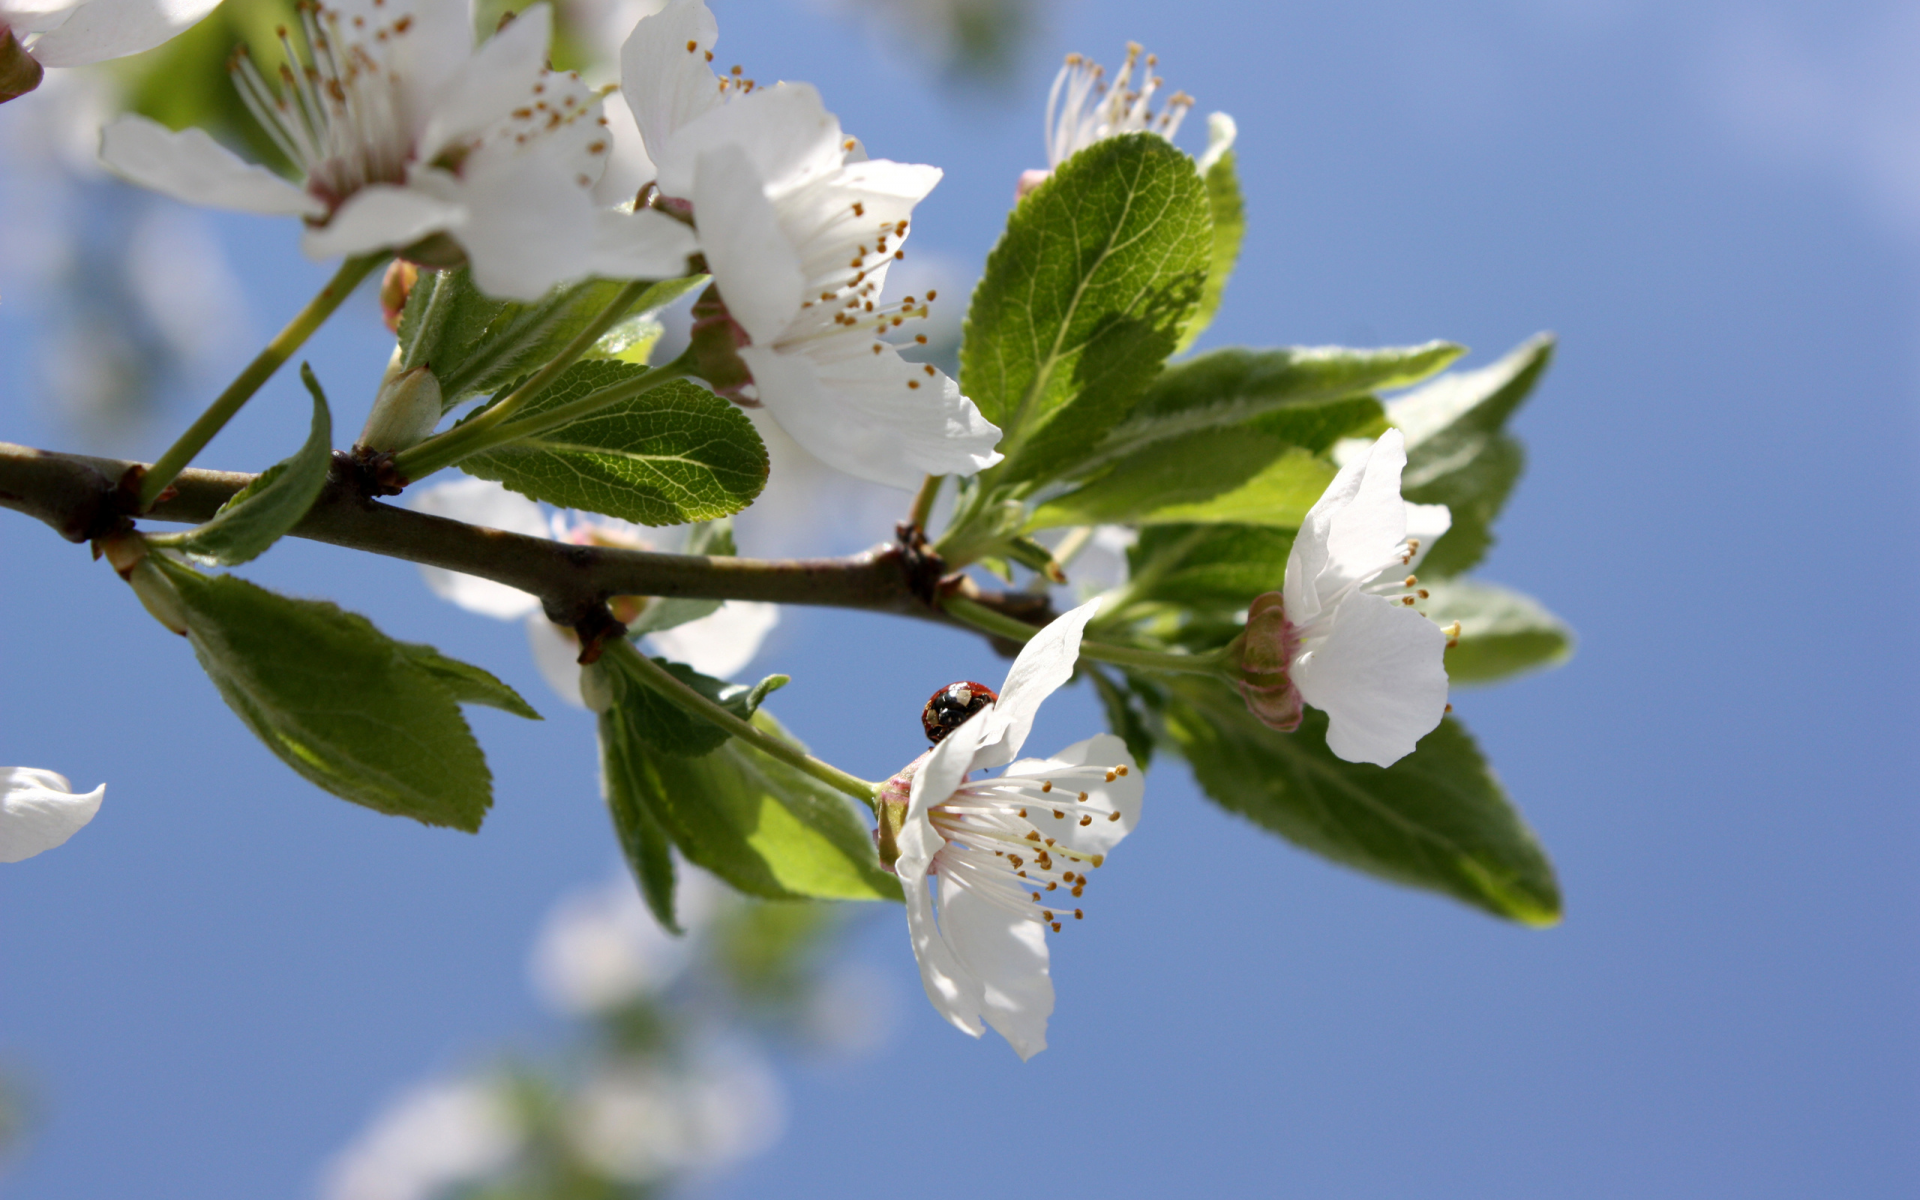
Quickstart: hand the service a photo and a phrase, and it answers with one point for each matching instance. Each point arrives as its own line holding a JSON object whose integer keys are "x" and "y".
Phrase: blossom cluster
{"x": 411, "y": 139}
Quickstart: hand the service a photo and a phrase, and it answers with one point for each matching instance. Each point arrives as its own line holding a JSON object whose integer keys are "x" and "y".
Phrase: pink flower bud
{"x": 1260, "y": 657}
{"x": 714, "y": 349}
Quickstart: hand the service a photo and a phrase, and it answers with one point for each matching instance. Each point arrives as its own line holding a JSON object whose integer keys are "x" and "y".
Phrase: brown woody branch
{"x": 83, "y": 497}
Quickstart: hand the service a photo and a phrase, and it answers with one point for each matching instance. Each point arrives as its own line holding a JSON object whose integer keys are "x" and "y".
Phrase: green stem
{"x": 923, "y": 502}
{"x": 478, "y": 434}
{"x": 661, "y": 680}
{"x": 258, "y": 371}
{"x": 1001, "y": 625}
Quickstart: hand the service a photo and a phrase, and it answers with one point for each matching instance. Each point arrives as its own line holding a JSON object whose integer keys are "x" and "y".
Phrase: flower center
{"x": 998, "y": 848}
{"x": 339, "y": 116}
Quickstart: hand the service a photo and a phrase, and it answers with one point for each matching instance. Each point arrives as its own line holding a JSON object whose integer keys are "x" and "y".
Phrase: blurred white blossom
{"x": 432, "y": 1138}
{"x": 643, "y": 1121}
{"x": 600, "y": 947}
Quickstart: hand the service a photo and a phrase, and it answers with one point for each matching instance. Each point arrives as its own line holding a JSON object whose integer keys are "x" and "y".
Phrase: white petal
{"x": 721, "y": 644}
{"x": 557, "y": 653}
{"x": 667, "y": 82}
{"x": 628, "y": 167}
{"x": 1363, "y": 533}
{"x": 941, "y": 771}
{"x": 525, "y": 224}
{"x": 1221, "y": 132}
{"x": 106, "y": 29}
{"x": 1123, "y": 795}
{"x": 423, "y": 60}
{"x": 191, "y": 166}
{"x": 381, "y": 217}
{"x": 480, "y": 502}
{"x": 1007, "y": 954}
{"x": 639, "y": 245}
{"x": 39, "y": 810}
{"x": 785, "y": 132}
{"x": 497, "y": 79}
{"x": 1308, "y": 557}
{"x": 955, "y": 992}
{"x": 852, "y": 408}
{"x": 36, "y": 16}
{"x": 757, "y": 270}
{"x": 1380, "y": 677}
{"x": 1042, "y": 665}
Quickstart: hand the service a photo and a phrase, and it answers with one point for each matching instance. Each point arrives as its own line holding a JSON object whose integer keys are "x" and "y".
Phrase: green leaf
{"x": 1437, "y": 819}
{"x": 337, "y": 700}
{"x": 1458, "y": 452}
{"x": 466, "y": 683}
{"x": 1210, "y": 568}
{"x": 1084, "y": 298}
{"x": 660, "y": 722}
{"x": 630, "y": 794}
{"x": 1502, "y": 633}
{"x": 475, "y": 343}
{"x": 1236, "y": 436}
{"x": 674, "y": 454}
{"x": 711, "y": 538}
{"x": 258, "y": 515}
{"x": 764, "y": 827}
{"x": 1229, "y": 223}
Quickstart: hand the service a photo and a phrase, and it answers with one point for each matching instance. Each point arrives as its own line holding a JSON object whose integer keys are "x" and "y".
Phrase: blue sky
{"x": 1716, "y": 206}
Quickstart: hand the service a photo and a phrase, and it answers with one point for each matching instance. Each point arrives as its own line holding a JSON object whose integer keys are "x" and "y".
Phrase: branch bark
{"x": 81, "y": 498}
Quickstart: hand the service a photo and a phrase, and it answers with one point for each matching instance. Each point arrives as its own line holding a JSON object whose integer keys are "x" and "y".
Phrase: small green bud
{"x": 19, "y": 73}
{"x": 597, "y": 689}
{"x": 404, "y": 413}
{"x": 129, "y": 555}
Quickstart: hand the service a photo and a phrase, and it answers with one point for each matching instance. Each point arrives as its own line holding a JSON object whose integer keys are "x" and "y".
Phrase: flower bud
{"x": 19, "y": 73}
{"x": 1030, "y": 180}
{"x": 130, "y": 556}
{"x": 596, "y": 690}
{"x": 1260, "y": 657}
{"x": 395, "y": 286}
{"x": 405, "y": 411}
{"x": 714, "y": 349}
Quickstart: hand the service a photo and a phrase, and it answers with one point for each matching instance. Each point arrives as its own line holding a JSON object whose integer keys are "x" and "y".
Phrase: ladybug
{"x": 950, "y": 707}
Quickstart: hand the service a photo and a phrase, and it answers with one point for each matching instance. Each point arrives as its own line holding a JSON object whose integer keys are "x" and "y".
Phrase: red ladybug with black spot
{"x": 950, "y": 707}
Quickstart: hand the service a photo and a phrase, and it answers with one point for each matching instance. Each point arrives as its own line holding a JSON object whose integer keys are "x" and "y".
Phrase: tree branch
{"x": 80, "y": 498}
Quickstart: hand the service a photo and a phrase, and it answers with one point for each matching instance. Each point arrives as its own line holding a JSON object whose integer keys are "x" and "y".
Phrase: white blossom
{"x": 409, "y": 138}
{"x": 72, "y": 33}
{"x": 40, "y": 810}
{"x": 719, "y": 644}
{"x": 1344, "y": 633}
{"x": 799, "y": 228}
{"x": 989, "y": 866}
